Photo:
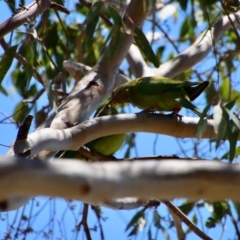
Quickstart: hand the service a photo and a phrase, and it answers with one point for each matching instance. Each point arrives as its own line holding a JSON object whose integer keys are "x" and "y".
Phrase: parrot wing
{"x": 158, "y": 85}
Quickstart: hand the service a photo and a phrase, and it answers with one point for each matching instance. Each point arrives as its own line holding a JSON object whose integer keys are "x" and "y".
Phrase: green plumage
{"x": 159, "y": 94}
{"x": 110, "y": 144}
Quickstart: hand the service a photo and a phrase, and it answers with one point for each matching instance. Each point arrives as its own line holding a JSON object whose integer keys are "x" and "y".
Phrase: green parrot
{"x": 159, "y": 94}
{"x": 107, "y": 145}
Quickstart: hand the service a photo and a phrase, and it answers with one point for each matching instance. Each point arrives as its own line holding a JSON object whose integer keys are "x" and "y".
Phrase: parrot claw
{"x": 148, "y": 111}
{"x": 175, "y": 114}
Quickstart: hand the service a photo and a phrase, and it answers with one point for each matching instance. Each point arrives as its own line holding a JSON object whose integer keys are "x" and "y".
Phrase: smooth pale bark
{"x": 186, "y": 59}
{"x": 73, "y": 138}
{"x": 75, "y": 68}
{"x": 31, "y": 11}
{"x": 97, "y": 183}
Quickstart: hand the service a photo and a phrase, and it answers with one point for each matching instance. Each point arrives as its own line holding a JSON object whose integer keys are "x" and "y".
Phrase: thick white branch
{"x": 72, "y": 138}
{"x": 188, "y": 58}
{"x": 126, "y": 203}
{"x": 135, "y": 14}
{"x": 97, "y": 183}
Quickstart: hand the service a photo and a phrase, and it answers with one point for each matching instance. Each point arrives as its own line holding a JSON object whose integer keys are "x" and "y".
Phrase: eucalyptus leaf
{"x": 145, "y": 47}
{"x": 6, "y": 61}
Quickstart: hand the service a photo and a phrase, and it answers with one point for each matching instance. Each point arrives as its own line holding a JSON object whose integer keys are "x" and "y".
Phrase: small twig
{"x": 60, "y": 8}
{"x": 234, "y": 28}
{"x": 58, "y": 80}
{"x": 47, "y": 53}
{"x": 152, "y": 203}
{"x": 89, "y": 5}
{"x": 66, "y": 34}
{"x": 186, "y": 220}
{"x": 235, "y": 224}
{"x": 178, "y": 226}
{"x": 168, "y": 38}
{"x": 19, "y": 110}
{"x": 84, "y": 222}
{"x": 97, "y": 211}
{"x": 40, "y": 93}
{"x": 58, "y": 92}
{"x": 3, "y": 145}
{"x": 6, "y": 117}
{"x": 212, "y": 38}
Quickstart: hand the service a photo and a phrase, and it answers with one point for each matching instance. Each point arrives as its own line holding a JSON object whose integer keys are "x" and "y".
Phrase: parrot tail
{"x": 194, "y": 92}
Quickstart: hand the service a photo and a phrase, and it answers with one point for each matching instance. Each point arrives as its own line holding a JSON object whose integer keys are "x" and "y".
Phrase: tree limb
{"x": 29, "y": 12}
{"x": 177, "y": 212}
{"x": 96, "y": 183}
{"x": 188, "y": 58}
{"x": 75, "y": 68}
{"x": 72, "y": 138}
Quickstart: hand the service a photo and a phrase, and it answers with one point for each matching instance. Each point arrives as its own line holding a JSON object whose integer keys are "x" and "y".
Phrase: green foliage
{"x": 137, "y": 223}
{"x": 21, "y": 111}
{"x": 187, "y": 30}
{"x": 145, "y": 47}
{"x": 11, "y": 4}
{"x": 202, "y": 123}
{"x": 116, "y": 33}
{"x": 228, "y": 93}
{"x": 186, "y": 207}
{"x": 219, "y": 211}
{"x": 228, "y": 127}
{"x": 90, "y": 27}
{"x": 183, "y": 4}
{"x": 6, "y": 61}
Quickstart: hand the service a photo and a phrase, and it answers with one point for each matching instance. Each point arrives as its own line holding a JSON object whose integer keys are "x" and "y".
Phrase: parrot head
{"x": 120, "y": 95}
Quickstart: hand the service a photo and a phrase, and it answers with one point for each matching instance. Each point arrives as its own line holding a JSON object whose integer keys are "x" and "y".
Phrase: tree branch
{"x": 75, "y": 68}
{"x": 72, "y": 138}
{"x": 134, "y": 16}
{"x": 177, "y": 212}
{"x": 188, "y": 58}
{"x": 28, "y": 12}
{"x": 96, "y": 183}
